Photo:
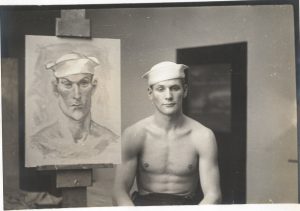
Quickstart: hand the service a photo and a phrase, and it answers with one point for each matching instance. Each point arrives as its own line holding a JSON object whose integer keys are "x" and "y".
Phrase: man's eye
{"x": 67, "y": 85}
{"x": 160, "y": 89}
{"x": 84, "y": 83}
{"x": 175, "y": 88}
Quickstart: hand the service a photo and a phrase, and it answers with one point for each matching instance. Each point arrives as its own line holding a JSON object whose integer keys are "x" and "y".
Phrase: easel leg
{"x": 74, "y": 197}
{"x": 73, "y": 184}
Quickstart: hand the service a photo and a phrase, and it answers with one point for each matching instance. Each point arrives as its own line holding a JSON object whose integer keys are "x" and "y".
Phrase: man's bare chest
{"x": 174, "y": 156}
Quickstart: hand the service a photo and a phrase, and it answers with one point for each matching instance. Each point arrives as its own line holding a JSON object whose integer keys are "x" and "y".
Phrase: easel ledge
{"x": 72, "y": 167}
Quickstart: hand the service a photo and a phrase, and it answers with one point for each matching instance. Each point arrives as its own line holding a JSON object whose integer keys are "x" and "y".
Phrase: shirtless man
{"x": 167, "y": 152}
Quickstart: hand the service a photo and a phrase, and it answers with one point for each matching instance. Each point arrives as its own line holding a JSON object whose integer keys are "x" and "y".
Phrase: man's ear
{"x": 54, "y": 83}
{"x": 185, "y": 90}
{"x": 150, "y": 92}
{"x": 94, "y": 85}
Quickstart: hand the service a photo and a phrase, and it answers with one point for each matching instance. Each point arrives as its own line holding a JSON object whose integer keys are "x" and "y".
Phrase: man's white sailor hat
{"x": 73, "y": 63}
{"x": 164, "y": 71}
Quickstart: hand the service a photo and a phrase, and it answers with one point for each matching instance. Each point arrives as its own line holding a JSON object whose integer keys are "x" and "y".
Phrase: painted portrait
{"x": 72, "y": 101}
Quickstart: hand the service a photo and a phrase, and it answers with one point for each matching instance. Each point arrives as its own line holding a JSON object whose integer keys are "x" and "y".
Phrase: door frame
{"x": 236, "y": 55}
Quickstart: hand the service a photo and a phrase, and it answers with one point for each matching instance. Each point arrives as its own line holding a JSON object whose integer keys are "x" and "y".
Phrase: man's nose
{"x": 77, "y": 93}
{"x": 168, "y": 94}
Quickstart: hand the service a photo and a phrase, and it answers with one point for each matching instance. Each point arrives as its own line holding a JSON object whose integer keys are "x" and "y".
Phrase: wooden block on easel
{"x": 74, "y": 178}
{"x": 73, "y": 24}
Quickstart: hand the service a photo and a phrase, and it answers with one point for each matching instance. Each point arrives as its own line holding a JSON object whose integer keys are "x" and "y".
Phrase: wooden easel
{"x": 73, "y": 180}
{"x": 73, "y": 24}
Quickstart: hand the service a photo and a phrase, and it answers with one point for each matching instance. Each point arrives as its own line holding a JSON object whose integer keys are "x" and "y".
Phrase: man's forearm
{"x": 211, "y": 199}
{"x": 122, "y": 199}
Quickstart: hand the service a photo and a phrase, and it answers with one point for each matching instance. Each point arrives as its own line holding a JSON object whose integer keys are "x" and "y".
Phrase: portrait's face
{"x": 74, "y": 95}
{"x": 167, "y": 96}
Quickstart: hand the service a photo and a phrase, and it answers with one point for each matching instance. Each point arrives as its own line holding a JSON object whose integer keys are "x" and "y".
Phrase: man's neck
{"x": 169, "y": 122}
{"x": 79, "y": 129}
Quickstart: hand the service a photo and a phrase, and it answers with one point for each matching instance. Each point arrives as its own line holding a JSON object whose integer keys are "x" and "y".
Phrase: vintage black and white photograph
{"x": 158, "y": 104}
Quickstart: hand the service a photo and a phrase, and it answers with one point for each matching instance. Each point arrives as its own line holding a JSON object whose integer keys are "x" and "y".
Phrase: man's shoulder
{"x": 46, "y": 139}
{"x": 202, "y": 138}
{"x": 139, "y": 126}
{"x": 137, "y": 131}
{"x": 197, "y": 126}
{"x": 47, "y": 132}
{"x": 200, "y": 132}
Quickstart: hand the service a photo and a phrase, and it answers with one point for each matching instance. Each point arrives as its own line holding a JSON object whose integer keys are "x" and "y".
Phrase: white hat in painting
{"x": 164, "y": 71}
{"x": 73, "y": 63}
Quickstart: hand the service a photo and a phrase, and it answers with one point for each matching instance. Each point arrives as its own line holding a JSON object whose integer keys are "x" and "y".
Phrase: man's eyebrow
{"x": 64, "y": 79}
{"x": 67, "y": 80}
{"x": 171, "y": 86}
{"x": 85, "y": 78}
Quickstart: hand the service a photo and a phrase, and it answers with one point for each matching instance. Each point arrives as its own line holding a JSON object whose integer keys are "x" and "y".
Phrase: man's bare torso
{"x": 168, "y": 161}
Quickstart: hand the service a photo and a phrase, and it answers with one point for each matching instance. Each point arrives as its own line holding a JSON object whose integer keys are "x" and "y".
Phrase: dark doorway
{"x": 217, "y": 98}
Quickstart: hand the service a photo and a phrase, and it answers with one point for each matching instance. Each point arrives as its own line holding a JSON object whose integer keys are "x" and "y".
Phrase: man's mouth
{"x": 169, "y": 104}
{"x": 77, "y": 105}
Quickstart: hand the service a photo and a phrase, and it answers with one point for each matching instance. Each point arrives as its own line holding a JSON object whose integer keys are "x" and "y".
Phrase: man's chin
{"x": 169, "y": 112}
{"x": 77, "y": 116}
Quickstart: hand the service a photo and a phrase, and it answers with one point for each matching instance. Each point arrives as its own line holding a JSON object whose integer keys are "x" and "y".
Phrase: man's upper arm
{"x": 209, "y": 170}
{"x": 126, "y": 171}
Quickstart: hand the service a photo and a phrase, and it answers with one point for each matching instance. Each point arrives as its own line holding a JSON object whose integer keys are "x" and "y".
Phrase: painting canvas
{"x": 72, "y": 101}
